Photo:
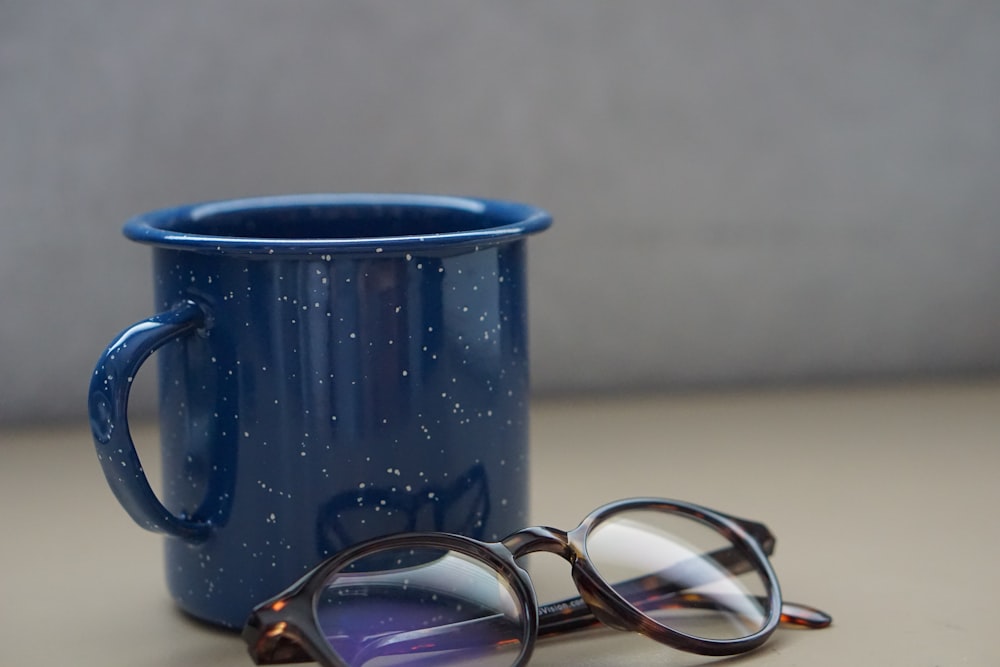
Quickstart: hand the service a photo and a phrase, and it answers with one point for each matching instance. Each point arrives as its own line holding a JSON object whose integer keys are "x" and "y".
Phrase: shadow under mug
{"x": 331, "y": 368}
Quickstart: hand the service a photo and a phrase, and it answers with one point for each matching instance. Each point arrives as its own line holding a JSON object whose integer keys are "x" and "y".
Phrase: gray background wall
{"x": 744, "y": 192}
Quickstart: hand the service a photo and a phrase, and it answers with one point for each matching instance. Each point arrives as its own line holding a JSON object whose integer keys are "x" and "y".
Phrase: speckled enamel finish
{"x": 340, "y": 380}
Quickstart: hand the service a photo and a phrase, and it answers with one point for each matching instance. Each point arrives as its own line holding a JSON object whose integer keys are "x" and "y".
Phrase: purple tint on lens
{"x": 423, "y": 606}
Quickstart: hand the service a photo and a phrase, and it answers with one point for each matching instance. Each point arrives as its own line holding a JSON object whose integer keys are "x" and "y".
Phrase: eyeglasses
{"x": 687, "y": 576}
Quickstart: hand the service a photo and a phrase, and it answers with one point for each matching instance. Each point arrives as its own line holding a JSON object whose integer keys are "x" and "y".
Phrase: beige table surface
{"x": 885, "y": 502}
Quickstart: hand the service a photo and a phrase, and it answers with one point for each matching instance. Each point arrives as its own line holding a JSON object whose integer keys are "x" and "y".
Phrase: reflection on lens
{"x": 685, "y": 575}
{"x": 423, "y": 606}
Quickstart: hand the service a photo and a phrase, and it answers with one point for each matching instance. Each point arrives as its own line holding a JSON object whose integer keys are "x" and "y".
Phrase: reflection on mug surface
{"x": 353, "y": 516}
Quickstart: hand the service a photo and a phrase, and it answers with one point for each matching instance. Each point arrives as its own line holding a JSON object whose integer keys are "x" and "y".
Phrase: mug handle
{"x": 108, "y": 406}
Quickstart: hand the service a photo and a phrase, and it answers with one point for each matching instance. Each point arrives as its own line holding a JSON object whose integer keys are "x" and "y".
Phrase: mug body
{"x": 362, "y": 370}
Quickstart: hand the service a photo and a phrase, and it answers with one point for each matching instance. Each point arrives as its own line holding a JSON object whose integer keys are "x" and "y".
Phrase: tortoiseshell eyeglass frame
{"x": 284, "y": 629}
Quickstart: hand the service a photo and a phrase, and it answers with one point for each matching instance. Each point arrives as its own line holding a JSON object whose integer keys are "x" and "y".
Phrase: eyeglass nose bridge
{"x": 540, "y": 539}
{"x": 544, "y": 539}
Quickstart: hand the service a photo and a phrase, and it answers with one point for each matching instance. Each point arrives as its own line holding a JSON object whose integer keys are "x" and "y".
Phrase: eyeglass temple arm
{"x": 792, "y": 613}
{"x": 573, "y": 614}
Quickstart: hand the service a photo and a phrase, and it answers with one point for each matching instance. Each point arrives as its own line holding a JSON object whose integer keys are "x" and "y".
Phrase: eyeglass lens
{"x": 424, "y": 606}
{"x": 685, "y": 575}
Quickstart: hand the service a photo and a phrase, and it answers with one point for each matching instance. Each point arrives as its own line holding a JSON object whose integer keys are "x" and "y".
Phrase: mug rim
{"x": 512, "y": 220}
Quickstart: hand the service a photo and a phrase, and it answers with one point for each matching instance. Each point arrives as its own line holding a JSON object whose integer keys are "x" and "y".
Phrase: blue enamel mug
{"x": 331, "y": 368}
